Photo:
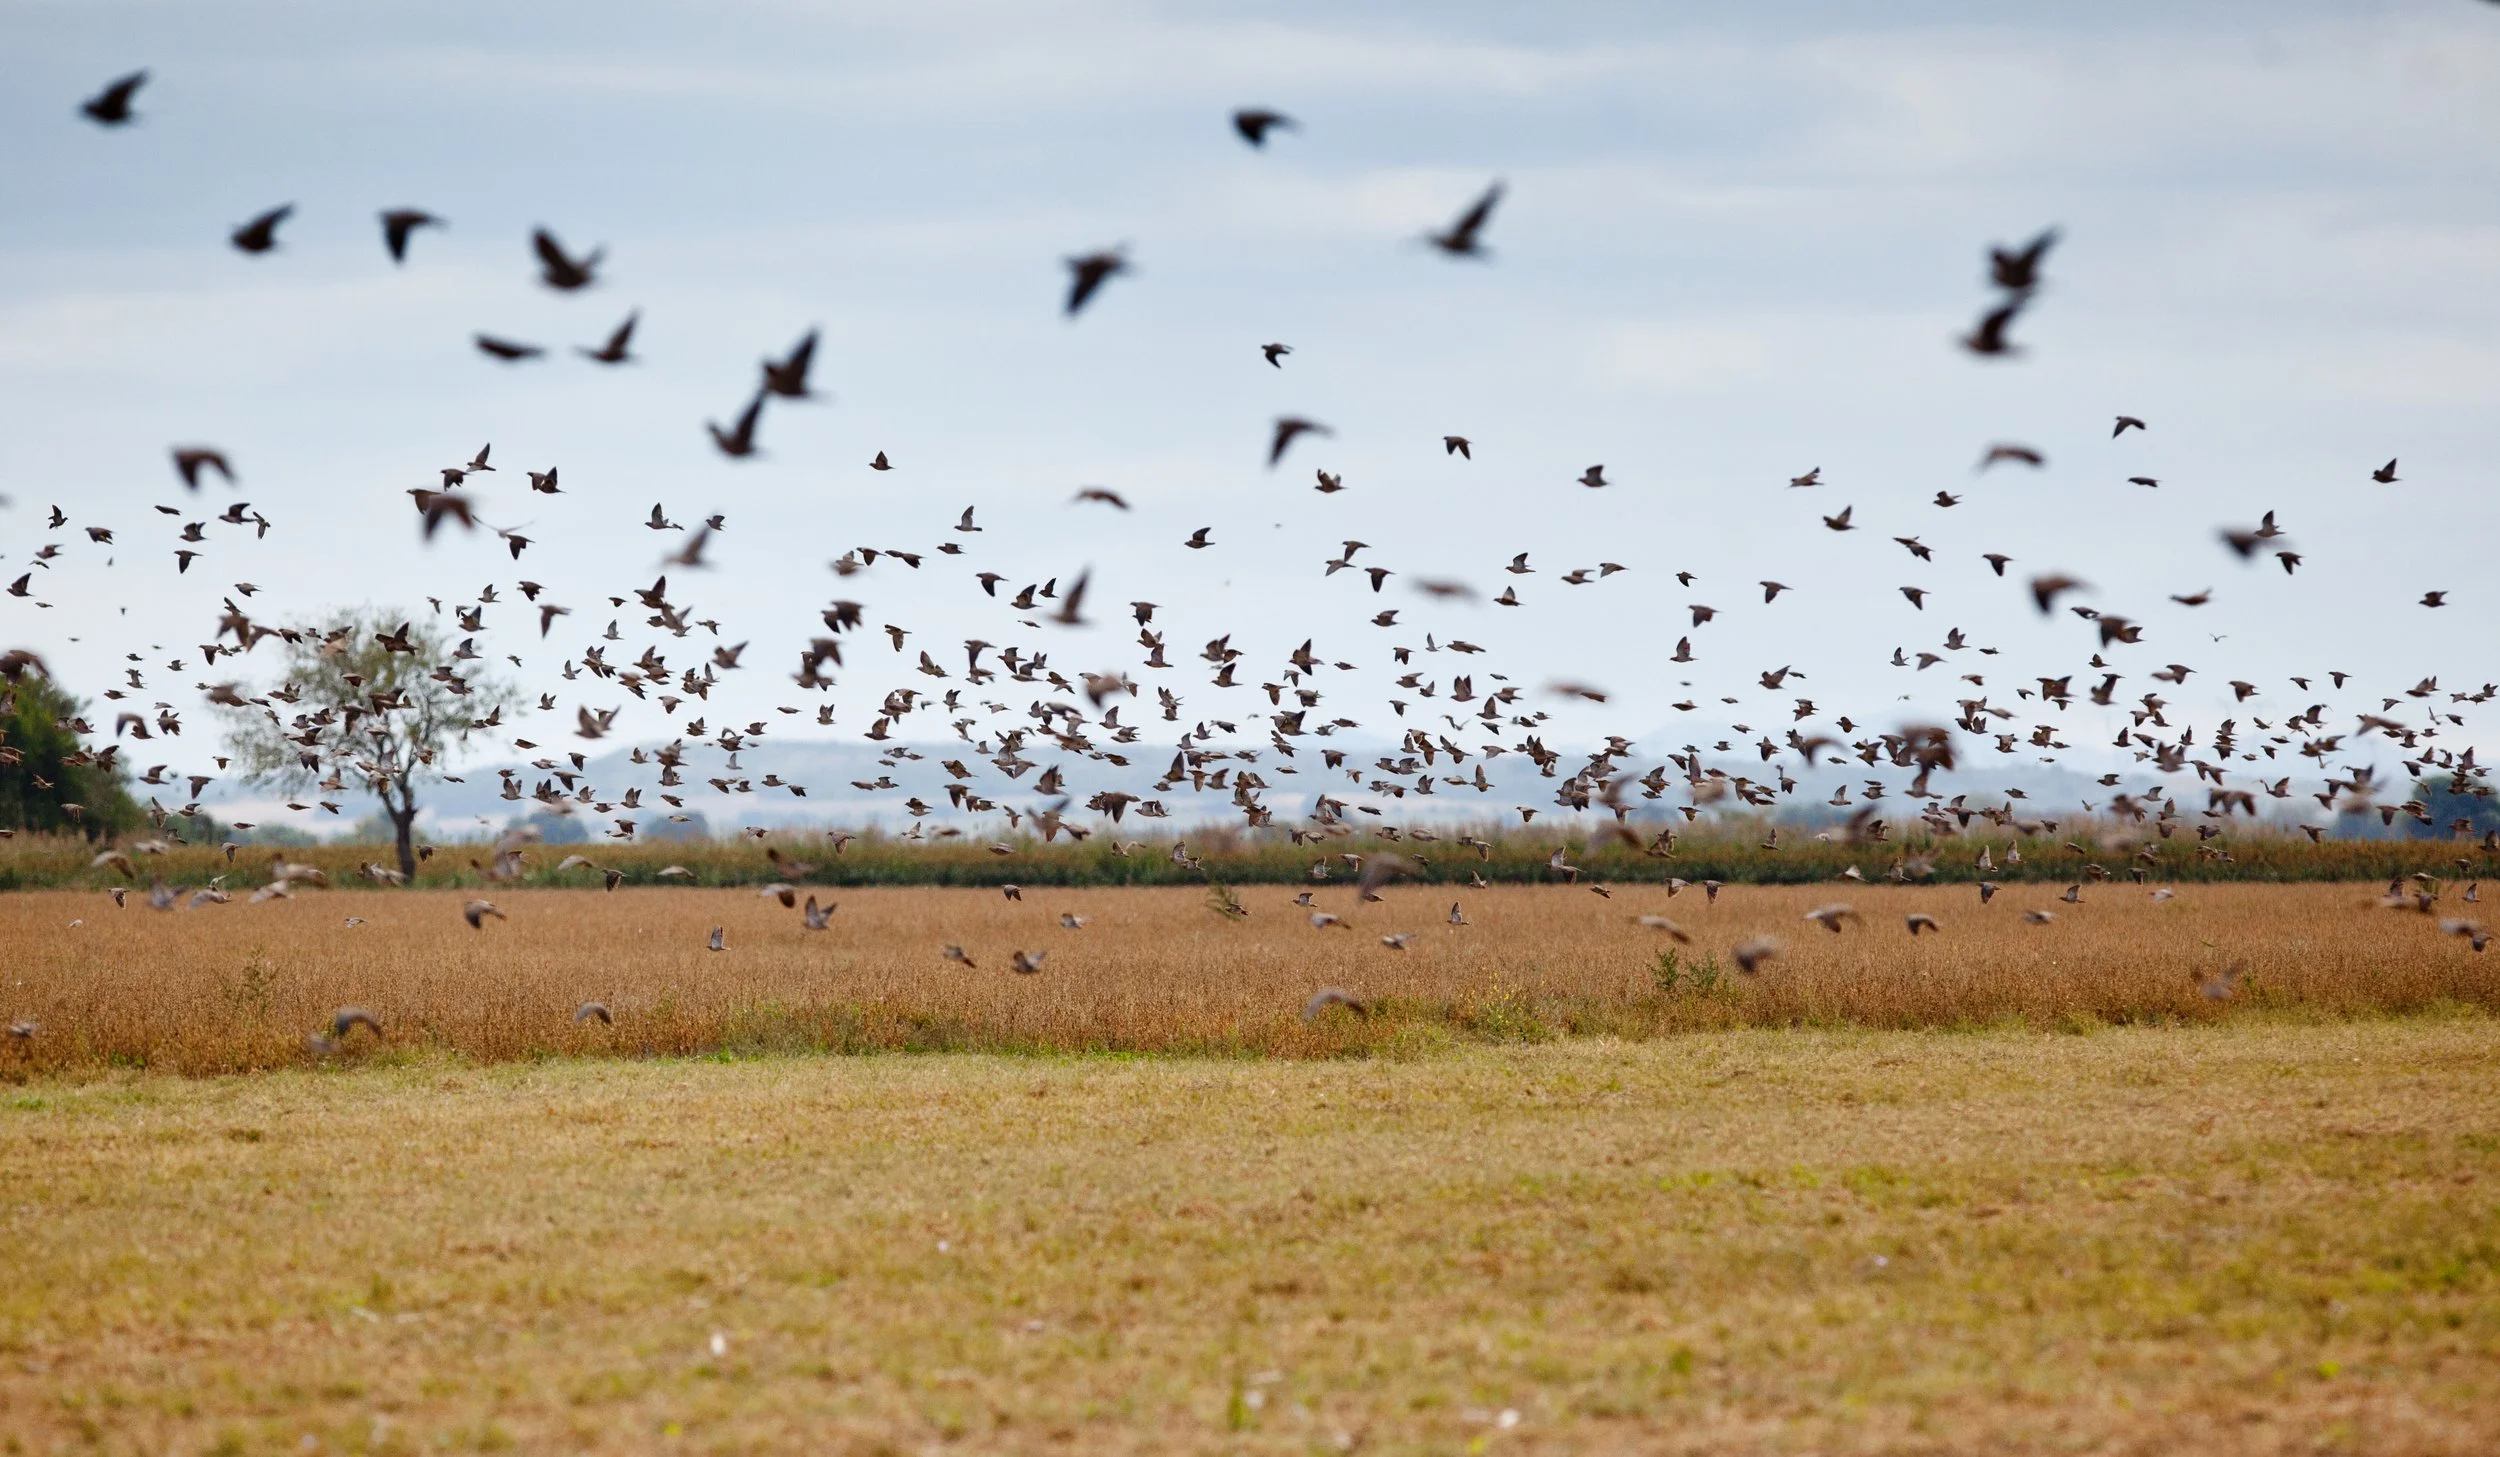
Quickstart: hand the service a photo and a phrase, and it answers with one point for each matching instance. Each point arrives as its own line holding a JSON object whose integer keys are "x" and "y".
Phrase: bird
{"x": 1329, "y": 485}
{"x": 2045, "y": 590}
{"x": 476, "y": 912}
{"x": 2435, "y": 599}
{"x": 719, "y": 941}
{"x": 1254, "y": 123}
{"x": 111, "y": 106}
{"x": 399, "y": 223}
{"x": 1920, "y": 921}
{"x": 1070, "y": 921}
{"x": 1594, "y": 477}
{"x": 347, "y": 1019}
{"x": 738, "y": 442}
{"x": 507, "y": 350}
{"x": 2385, "y": 475}
{"x": 2472, "y": 932}
{"x": 1841, "y": 521}
{"x": 815, "y": 917}
{"x": 1752, "y": 955}
{"x": 1458, "y": 445}
{"x": 1661, "y": 923}
{"x": 1109, "y": 498}
{"x": 2020, "y": 454}
{"x": 1988, "y": 338}
{"x": 956, "y": 953}
{"x": 618, "y": 348}
{"x": 788, "y": 378}
{"x": 558, "y": 269}
{"x": 2125, "y": 424}
{"x": 1327, "y": 997}
{"x": 1088, "y": 272}
{"x": 593, "y": 1011}
{"x": 881, "y": 463}
{"x": 1198, "y": 539}
{"x": 1460, "y": 239}
{"x": 2018, "y": 270}
{"x": 189, "y": 460}
{"x": 1026, "y": 963}
{"x": 1275, "y": 353}
{"x": 261, "y": 233}
{"x": 1829, "y": 917}
{"x": 1288, "y": 429}
{"x": 2148, "y": 482}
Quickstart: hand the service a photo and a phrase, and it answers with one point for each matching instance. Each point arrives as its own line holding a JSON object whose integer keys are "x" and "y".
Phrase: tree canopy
{"x": 369, "y": 703}
{"x": 49, "y": 781}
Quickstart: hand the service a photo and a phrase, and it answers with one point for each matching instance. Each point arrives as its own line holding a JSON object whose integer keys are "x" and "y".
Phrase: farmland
{"x": 235, "y": 987}
{"x": 2254, "y": 1237}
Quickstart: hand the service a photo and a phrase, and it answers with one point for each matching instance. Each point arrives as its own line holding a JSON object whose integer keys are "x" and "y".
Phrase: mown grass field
{"x": 2252, "y": 1237}
{"x": 236, "y": 987}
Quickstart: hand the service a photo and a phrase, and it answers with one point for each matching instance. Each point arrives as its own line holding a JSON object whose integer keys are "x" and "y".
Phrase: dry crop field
{"x": 238, "y": 987}
{"x": 2259, "y": 1237}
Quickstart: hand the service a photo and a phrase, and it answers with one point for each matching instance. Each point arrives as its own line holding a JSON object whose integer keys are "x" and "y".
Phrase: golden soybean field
{"x": 226, "y": 988}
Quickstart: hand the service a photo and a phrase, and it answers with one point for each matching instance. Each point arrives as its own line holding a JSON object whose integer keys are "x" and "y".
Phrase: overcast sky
{"x": 1738, "y": 242}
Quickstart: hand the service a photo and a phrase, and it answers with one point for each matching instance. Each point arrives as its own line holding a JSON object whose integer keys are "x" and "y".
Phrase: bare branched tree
{"x": 370, "y": 702}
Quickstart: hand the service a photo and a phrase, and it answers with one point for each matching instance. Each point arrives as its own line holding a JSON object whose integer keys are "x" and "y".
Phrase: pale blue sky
{"x": 1737, "y": 243}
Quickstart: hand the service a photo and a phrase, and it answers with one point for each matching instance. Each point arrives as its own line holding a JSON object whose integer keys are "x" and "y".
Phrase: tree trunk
{"x": 403, "y": 813}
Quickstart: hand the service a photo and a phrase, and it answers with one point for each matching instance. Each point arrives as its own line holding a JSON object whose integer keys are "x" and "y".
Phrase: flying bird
{"x": 399, "y": 223}
{"x": 558, "y": 269}
{"x": 191, "y": 459}
{"x": 788, "y": 378}
{"x": 111, "y": 106}
{"x": 738, "y": 442}
{"x": 261, "y": 233}
{"x": 1276, "y": 353}
{"x": 618, "y": 349}
{"x": 2385, "y": 475}
{"x": 1459, "y": 239}
{"x": 1288, "y": 429}
{"x": 1988, "y": 338}
{"x": 507, "y": 350}
{"x": 2018, "y": 270}
{"x": 1088, "y": 272}
{"x": 1254, "y": 123}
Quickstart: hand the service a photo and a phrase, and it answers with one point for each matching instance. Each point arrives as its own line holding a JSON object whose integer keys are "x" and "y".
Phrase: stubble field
{"x": 239, "y": 987}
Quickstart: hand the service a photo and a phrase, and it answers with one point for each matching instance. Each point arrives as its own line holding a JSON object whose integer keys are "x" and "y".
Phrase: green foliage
{"x": 1670, "y": 974}
{"x": 39, "y": 728}
{"x": 2449, "y": 798}
{"x": 354, "y": 716}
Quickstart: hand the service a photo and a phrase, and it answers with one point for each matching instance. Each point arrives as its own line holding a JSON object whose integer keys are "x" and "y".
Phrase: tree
{"x": 368, "y": 706}
{"x": 2449, "y": 798}
{"x": 49, "y": 782}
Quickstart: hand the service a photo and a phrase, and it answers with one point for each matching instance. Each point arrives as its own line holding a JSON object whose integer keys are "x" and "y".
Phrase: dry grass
{"x": 2241, "y": 1239}
{"x": 236, "y": 987}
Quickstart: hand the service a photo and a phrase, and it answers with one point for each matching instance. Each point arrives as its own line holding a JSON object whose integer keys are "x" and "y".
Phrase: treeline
{"x": 1748, "y": 855}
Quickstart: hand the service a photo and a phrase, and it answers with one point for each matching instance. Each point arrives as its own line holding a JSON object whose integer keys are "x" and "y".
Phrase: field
{"x": 235, "y": 987}
{"x": 2256, "y": 1237}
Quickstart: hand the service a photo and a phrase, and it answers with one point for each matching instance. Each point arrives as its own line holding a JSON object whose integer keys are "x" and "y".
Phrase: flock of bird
{"x": 1447, "y": 704}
